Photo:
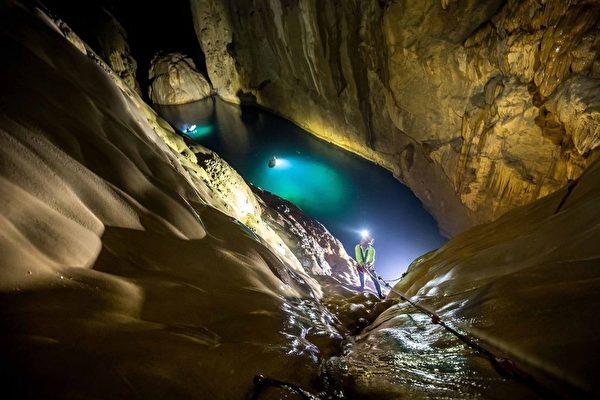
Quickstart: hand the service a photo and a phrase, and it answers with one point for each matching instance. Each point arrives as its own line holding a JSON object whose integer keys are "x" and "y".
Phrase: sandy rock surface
{"x": 126, "y": 269}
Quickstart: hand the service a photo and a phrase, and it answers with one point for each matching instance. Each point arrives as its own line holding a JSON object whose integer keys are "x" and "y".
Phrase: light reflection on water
{"x": 343, "y": 191}
{"x": 306, "y": 320}
{"x": 302, "y": 180}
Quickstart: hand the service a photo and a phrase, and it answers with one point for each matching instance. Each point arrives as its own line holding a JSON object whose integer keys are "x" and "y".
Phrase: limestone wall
{"x": 478, "y": 107}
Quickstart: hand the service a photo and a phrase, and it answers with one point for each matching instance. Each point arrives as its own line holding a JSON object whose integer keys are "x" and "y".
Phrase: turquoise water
{"x": 343, "y": 191}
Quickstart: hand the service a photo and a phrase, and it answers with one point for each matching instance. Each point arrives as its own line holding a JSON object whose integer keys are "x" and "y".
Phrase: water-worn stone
{"x": 523, "y": 285}
{"x": 407, "y": 85}
{"x": 174, "y": 79}
{"x": 318, "y": 251}
{"x": 127, "y": 269}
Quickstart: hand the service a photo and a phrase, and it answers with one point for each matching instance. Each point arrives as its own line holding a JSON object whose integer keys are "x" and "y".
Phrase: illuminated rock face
{"x": 135, "y": 265}
{"x": 318, "y": 251}
{"x": 479, "y": 107}
{"x": 174, "y": 79}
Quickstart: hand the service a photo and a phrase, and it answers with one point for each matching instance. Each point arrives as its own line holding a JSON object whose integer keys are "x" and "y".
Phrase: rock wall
{"x": 174, "y": 79}
{"x": 318, "y": 251}
{"x": 112, "y": 46}
{"x": 136, "y": 265}
{"x": 478, "y": 107}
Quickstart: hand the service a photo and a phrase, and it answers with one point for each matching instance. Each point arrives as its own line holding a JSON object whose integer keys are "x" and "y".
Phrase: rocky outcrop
{"x": 112, "y": 46}
{"x": 318, "y": 251}
{"x": 461, "y": 100}
{"x": 136, "y": 265}
{"x": 174, "y": 79}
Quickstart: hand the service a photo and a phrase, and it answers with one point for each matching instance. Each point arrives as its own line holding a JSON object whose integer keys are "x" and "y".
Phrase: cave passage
{"x": 343, "y": 191}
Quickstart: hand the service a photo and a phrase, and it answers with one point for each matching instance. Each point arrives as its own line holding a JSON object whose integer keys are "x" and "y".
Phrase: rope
{"x": 504, "y": 366}
{"x": 393, "y": 280}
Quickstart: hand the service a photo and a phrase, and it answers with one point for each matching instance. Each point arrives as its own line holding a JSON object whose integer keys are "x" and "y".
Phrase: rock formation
{"x": 112, "y": 46}
{"x": 478, "y": 107}
{"x": 318, "y": 251}
{"x": 128, "y": 267}
{"x": 174, "y": 79}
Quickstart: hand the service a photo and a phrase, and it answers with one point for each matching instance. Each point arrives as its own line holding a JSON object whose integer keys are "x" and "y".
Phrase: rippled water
{"x": 341, "y": 190}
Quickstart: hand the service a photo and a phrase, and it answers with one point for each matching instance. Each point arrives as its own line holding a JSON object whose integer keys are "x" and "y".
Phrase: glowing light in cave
{"x": 282, "y": 163}
{"x": 311, "y": 185}
{"x": 196, "y": 132}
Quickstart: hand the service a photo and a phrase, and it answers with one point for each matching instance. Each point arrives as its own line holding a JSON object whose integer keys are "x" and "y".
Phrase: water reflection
{"x": 343, "y": 191}
{"x": 301, "y": 180}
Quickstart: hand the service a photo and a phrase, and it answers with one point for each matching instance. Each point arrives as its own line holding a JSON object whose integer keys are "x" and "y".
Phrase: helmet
{"x": 367, "y": 240}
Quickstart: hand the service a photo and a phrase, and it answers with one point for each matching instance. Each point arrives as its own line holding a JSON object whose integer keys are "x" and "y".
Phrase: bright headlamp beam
{"x": 364, "y": 233}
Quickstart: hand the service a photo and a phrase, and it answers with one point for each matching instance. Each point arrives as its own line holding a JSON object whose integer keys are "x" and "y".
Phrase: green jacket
{"x": 365, "y": 256}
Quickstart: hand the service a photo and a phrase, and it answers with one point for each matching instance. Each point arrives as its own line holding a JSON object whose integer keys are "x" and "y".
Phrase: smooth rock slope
{"x": 126, "y": 269}
{"x": 136, "y": 265}
{"x": 526, "y": 285}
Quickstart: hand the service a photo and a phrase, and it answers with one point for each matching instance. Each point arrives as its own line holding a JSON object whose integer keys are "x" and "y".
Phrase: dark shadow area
{"x": 151, "y": 27}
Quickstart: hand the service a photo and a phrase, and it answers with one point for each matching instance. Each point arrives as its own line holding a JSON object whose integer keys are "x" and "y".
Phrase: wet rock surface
{"x": 456, "y": 98}
{"x": 319, "y": 252}
{"x": 174, "y": 79}
{"x": 123, "y": 273}
{"x": 513, "y": 284}
{"x": 133, "y": 264}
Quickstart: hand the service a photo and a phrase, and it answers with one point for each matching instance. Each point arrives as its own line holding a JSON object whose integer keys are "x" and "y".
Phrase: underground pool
{"x": 343, "y": 191}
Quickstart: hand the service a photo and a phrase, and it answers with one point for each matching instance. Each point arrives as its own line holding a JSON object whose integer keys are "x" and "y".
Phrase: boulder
{"x": 175, "y": 80}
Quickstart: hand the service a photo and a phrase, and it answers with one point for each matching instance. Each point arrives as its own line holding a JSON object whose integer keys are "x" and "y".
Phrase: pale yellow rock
{"x": 119, "y": 242}
{"x": 174, "y": 79}
{"x": 407, "y": 85}
{"x": 136, "y": 266}
{"x": 114, "y": 49}
{"x": 576, "y": 104}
